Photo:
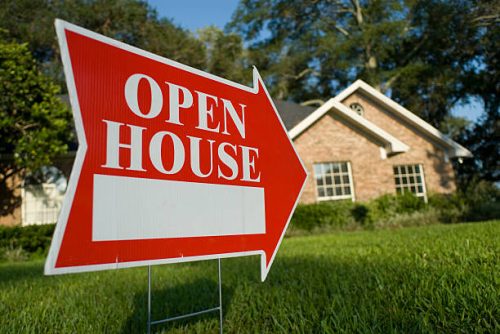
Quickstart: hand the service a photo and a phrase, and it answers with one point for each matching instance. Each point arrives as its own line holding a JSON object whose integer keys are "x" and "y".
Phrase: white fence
{"x": 41, "y": 204}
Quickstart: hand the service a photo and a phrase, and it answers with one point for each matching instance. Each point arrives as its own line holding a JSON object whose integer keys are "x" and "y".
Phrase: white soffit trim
{"x": 394, "y": 145}
{"x": 456, "y": 150}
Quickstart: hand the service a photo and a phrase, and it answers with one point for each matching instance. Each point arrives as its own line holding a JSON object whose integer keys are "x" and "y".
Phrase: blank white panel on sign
{"x": 126, "y": 208}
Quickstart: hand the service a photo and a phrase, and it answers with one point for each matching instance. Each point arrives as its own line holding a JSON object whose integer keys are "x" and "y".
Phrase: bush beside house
{"x": 479, "y": 202}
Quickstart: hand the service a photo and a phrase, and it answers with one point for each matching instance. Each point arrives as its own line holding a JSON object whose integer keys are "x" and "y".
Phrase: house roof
{"x": 292, "y": 113}
{"x": 335, "y": 104}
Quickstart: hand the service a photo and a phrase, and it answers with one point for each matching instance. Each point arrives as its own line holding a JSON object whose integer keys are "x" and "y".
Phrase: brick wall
{"x": 10, "y": 210}
{"x": 332, "y": 138}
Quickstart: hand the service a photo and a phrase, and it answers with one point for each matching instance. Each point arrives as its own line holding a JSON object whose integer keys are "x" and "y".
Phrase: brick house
{"x": 361, "y": 144}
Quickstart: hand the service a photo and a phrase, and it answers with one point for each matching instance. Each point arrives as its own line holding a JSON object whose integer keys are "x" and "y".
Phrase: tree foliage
{"x": 133, "y": 22}
{"x": 225, "y": 55}
{"x": 34, "y": 123}
{"x": 483, "y": 81}
{"x": 413, "y": 49}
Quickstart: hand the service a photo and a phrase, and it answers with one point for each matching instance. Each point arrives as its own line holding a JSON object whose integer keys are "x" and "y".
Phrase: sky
{"x": 195, "y": 14}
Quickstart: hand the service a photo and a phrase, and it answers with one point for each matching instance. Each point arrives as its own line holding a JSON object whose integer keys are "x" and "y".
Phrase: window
{"x": 358, "y": 108}
{"x": 333, "y": 180}
{"x": 410, "y": 178}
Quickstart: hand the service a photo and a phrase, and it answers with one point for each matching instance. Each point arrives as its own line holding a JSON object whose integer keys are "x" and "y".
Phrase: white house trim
{"x": 392, "y": 144}
{"x": 454, "y": 149}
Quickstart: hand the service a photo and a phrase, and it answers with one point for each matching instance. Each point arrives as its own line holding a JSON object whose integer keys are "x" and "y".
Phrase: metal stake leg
{"x": 220, "y": 298}
{"x": 218, "y": 308}
{"x": 149, "y": 299}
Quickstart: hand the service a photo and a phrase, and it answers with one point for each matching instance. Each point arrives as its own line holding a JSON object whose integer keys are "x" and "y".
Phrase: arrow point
{"x": 265, "y": 266}
{"x": 297, "y": 173}
{"x": 257, "y": 79}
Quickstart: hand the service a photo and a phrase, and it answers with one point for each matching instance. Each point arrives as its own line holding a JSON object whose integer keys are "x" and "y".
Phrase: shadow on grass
{"x": 198, "y": 295}
{"x": 301, "y": 294}
{"x": 321, "y": 294}
{"x": 17, "y": 271}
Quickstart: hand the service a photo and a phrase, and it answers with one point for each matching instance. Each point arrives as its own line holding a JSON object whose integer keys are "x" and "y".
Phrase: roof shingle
{"x": 292, "y": 113}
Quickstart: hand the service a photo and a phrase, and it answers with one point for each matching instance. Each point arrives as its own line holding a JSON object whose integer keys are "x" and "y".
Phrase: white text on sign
{"x": 181, "y": 100}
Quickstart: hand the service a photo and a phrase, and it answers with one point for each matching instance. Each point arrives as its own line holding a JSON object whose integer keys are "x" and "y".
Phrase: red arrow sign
{"x": 174, "y": 164}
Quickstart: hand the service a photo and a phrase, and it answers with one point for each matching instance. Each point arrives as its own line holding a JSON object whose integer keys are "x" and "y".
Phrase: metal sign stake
{"x": 188, "y": 315}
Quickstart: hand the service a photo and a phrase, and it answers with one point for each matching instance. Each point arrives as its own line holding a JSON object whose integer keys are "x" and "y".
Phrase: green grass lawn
{"x": 441, "y": 278}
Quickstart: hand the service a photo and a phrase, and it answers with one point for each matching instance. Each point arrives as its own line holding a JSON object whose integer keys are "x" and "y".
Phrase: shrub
{"x": 408, "y": 203}
{"x": 361, "y": 214}
{"x": 385, "y": 211}
{"x": 33, "y": 239}
{"x": 13, "y": 254}
{"x": 323, "y": 215}
{"x": 483, "y": 201}
{"x": 416, "y": 218}
{"x": 484, "y": 211}
{"x": 388, "y": 205}
{"x": 480, "y": 200}
{"x": 451, "y": 208}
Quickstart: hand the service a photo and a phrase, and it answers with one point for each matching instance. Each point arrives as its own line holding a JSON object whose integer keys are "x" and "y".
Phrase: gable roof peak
{"x": 391, "y": 143}
{"x": 454, "y": 148}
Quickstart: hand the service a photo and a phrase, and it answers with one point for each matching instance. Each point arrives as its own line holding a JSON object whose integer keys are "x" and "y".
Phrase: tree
{"x": 483, "y": 81}
{"x": 225, "y": 55}
{"x": 131, "y": 21}
{"x": 447, "y": 45}
{"x": 34, "y": 123}
{"x": 414, "y": 50}
{"x": 483, "y": 139}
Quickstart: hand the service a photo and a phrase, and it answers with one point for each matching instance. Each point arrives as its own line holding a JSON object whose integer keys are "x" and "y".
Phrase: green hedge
{"x": 34, "y": 239}
{"x": 481, "y": 202}
{"x": 346, "y": 215}
{"x": 311, "y": 217}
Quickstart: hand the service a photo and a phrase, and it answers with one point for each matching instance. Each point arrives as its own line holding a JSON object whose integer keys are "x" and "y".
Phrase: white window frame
{"x": 322, "y": 165}
{"x": 407, "y": 186}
